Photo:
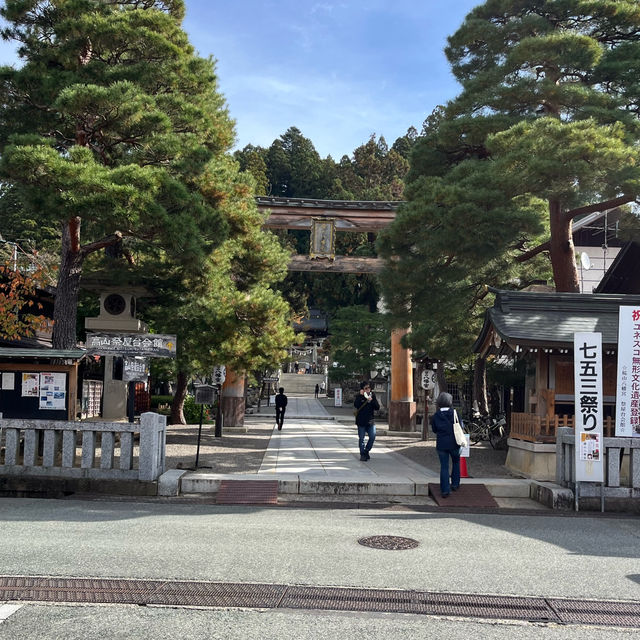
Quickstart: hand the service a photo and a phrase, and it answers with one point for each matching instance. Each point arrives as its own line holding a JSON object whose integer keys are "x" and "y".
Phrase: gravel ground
{"x": 483, "y": 462}
{"x": 233, "y": 453}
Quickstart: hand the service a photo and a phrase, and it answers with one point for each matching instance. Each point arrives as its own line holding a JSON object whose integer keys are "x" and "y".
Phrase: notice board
{"x": 40, "y": 392}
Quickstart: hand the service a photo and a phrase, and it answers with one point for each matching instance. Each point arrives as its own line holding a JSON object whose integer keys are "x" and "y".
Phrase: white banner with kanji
{"x": 587, "y": 350}
{"x": 628, "y": 389}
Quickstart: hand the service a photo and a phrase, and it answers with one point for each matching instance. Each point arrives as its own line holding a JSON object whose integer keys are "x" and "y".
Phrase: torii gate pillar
{"x": 233, "y": 400}
{"x": 402, "y": 408}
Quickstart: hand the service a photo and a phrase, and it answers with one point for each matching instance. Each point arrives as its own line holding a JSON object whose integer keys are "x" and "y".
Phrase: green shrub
{"x": 192, "y": 410}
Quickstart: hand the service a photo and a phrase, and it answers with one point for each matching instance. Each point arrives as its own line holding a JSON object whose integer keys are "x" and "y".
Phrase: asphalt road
{"x": 551, "y": 556}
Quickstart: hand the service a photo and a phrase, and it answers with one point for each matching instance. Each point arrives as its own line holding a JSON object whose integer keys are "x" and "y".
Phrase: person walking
{"x": 364, "y": 405}
{"x": 446, "y": 445}
{"x": 317, "y": 389}
{"x": 322, "y": 387}
{"x": 281, "y": 407}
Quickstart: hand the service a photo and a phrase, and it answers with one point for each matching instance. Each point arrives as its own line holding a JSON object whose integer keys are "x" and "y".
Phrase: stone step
{"x": 300, "y": 382}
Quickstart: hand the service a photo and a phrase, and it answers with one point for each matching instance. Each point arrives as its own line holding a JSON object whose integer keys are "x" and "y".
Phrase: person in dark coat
{"x": 365, "y": 404}
{"x": 446, "y": 445}
{"x": 281, "y": 406}
{"x": 317, "y": 390}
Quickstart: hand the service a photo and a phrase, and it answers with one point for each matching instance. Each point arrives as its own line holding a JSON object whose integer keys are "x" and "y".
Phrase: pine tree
{"x": 114, "y": 131}
{"x": 544, "y": 130}
{"x": 550, "y": 86}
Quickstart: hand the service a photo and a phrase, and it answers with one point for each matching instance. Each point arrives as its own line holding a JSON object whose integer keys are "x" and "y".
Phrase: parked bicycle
{"x": 493, "y": 429}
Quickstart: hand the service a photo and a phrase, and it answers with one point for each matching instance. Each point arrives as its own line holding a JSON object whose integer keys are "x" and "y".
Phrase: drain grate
{"x": 622, "y": 614}
{"x": 344, "y": 599}
{"x": 394, "y": 543}
{"x": 247, "y": 492}
{"x": 219, "y": 594}
{"x": 272, "y": 596}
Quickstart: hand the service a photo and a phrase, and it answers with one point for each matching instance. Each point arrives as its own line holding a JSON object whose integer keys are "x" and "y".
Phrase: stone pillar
{"x": 402, "y": 408}
{"x": 114, "y": 395}
{"x": 233, "y": 400}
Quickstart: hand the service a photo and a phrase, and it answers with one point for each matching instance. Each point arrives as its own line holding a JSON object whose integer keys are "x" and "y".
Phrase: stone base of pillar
{"x": 402, "y": 416}
{"x": 233, "y": 409}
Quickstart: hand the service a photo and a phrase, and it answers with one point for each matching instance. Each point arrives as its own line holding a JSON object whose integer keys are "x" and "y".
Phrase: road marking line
{"x": 7, "y": 610}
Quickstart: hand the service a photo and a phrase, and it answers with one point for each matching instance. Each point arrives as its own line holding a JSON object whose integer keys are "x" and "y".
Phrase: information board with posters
{"x": 628, "y": 389}
{"x": 587, "y": 349}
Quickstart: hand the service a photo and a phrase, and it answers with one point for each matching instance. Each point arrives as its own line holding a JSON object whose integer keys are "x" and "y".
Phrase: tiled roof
{"x": 532, "y": 319}
{"x": 312, "y": 203}
{"x": 41, "y": 353}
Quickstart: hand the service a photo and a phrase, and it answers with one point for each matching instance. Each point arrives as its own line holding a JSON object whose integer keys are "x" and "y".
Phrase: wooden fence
{"x": 532, "y": 428}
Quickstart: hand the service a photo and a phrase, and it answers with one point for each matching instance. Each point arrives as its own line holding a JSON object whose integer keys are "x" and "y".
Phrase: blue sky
{"x": 338, "y": 70}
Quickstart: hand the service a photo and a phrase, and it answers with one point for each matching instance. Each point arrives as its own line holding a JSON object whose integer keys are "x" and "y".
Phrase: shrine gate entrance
{"x": 323, "y": 218}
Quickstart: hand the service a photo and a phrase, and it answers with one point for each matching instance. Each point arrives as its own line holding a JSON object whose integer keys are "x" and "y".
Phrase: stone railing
{"x": 95, "y": 450}
{"x": 621, "y": 480}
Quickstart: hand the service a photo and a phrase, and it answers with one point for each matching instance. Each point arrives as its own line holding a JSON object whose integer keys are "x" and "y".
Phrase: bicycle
{"x": 483, "y": 428}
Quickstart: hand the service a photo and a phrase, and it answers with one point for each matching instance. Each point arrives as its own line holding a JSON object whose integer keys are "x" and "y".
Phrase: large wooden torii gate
{"x": 342, "y": 215}
{"x": 323, "y": 218}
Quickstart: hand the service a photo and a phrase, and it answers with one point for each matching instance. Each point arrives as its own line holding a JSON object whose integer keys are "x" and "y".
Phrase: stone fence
{"x": 622, "y": 472}
{"x": 94, "y": 450}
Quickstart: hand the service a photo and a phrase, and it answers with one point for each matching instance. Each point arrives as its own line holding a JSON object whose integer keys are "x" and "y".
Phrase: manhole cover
{"x": 394, "y": 543}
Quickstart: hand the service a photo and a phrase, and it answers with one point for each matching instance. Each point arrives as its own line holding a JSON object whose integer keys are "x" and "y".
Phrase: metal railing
{"x": 95, "y": 450}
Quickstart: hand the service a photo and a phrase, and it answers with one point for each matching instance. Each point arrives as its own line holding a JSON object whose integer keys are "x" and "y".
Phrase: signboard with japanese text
{"x": 135, "y": 369}
{"x": 205, "y": 394}
{"x": 152, "y": 345}
{"x": 628, "y": 389}
{"x": 587, "y": 350}
{"x": 337, "y": 397}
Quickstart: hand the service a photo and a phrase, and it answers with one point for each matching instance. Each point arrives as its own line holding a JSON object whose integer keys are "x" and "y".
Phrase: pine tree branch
{"x": 107, "y": 241}
{"x": 591, "y": 208}
{"x": 600, "y": 206}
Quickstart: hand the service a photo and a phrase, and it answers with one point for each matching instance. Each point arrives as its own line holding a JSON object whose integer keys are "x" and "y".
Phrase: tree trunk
{"x": 177, "y": 413}
{"x": 440, "y": 378}
{"x": 563, "y": 260}
{"x": 480, "y": 386}
{"x": 66, "y": 301}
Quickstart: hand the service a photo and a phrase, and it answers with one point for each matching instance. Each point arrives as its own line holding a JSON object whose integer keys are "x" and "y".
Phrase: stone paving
{"x": 315, "y": 454}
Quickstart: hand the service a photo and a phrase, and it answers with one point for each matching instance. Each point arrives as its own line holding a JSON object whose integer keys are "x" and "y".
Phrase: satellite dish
{"x": 585, "y": 261}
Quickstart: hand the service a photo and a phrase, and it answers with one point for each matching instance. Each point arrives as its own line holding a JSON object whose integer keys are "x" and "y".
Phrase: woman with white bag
{"x": 442, "y": 424}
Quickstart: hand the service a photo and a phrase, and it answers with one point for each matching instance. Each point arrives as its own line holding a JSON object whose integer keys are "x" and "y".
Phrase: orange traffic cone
{"x": 463, "y": 468}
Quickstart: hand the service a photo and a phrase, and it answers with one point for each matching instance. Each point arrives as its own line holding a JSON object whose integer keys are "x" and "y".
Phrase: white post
{"x": 152, "y": 446}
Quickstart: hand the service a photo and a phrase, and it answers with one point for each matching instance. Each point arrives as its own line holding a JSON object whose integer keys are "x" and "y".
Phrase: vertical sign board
{"x": 587, "y": 350}
{"x": 628, "y": 390}
{"x": 337, "y": 397}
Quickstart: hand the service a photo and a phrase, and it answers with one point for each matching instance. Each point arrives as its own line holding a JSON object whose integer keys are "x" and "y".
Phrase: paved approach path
{"x": 316, "y": 454}
{"x": 299, "y": 408}
{"x": 330, "y": 450}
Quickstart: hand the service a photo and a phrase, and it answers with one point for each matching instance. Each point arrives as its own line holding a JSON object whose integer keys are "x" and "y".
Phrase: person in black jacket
{"x": 281, "y": 406}
{"x": 446, "y": 445}
{"x": 365, "y": 404}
